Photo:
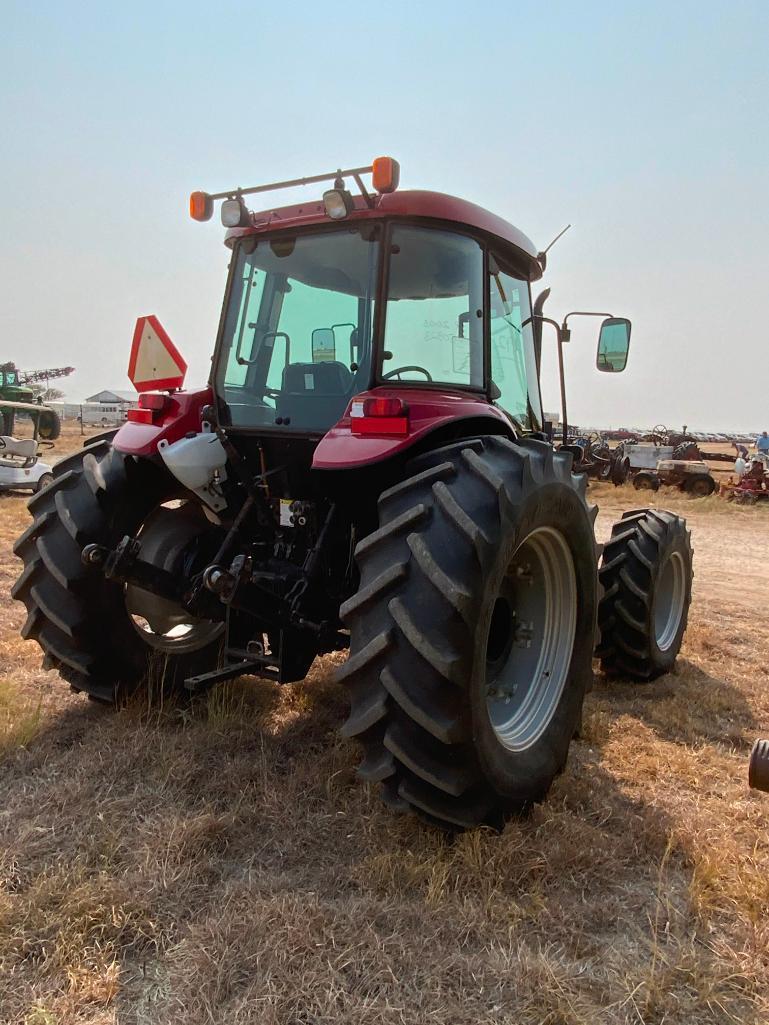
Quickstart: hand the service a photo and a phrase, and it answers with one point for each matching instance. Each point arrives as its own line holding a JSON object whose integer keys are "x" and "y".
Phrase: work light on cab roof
{"x": 337, "y": 201}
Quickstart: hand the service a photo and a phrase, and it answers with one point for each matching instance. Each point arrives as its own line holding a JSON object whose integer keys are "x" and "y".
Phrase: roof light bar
{"x": 385, "y": 172}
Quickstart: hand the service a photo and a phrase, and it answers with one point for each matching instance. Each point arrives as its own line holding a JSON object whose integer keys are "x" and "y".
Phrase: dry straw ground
{"x": 222, "y": 864}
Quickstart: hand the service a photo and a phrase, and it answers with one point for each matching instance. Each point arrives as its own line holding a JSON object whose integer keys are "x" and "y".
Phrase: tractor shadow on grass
{"x": 688, "y": 706}
{"x": 237, "y": 827}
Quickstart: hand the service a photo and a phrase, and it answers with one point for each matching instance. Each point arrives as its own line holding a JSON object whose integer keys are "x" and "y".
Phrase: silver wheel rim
{"x": 531, "y": 639}
{"x": 165, "y": 625}
{"x": 669, "y": 600}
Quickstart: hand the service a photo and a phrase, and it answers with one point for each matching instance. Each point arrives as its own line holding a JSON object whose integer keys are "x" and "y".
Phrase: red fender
{"x": 428, "y": 409}
{"x": 182, "y": 414}
{"x": 340, "y": 448}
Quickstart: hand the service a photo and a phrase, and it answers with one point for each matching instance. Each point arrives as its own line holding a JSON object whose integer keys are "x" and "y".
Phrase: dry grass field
{"x": 221, "y": 864}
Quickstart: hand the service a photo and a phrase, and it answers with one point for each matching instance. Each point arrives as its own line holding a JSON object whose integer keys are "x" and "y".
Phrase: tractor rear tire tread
{"x": 412, "y": 625}
{"x": 54, "y": 585}
{"x": 80, "y": 620}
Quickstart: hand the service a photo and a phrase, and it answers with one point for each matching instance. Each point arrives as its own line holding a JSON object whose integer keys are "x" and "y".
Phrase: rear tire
{"x": 466, "y": 710}
{"x": 78, "y": 617}
{"x": 646, "y": 572}
{"x": 687, "y": 450}
{"x": 49, "y": 425}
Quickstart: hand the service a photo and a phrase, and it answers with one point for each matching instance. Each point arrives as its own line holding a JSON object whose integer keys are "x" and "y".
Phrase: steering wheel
{"x": 660, "y": 431}
{"x": 402, "y": 370}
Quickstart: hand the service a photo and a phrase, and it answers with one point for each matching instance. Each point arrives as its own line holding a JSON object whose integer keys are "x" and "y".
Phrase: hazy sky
{"x": 644, "y": 124}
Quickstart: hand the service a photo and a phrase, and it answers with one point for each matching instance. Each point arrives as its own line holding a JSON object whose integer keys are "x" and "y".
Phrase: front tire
{"x": 644, "y": 481}
{"x": 700, "y": 486}
{"x": 471, "y": 635}
{"x": 80, "y": 619}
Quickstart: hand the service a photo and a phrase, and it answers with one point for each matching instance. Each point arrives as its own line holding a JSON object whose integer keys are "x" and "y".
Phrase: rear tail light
{"x": 379, "y": 416}
{"x": 139, "y": 416}
{"x": 152, "y": 405}
{"x": 384, "y": 407}
{"x": 153, "y": 400}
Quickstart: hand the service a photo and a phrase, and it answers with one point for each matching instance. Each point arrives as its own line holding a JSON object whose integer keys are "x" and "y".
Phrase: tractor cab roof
{"x": 417, "y": 204}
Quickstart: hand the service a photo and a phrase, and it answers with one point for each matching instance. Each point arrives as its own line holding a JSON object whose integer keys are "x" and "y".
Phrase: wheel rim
{"x": 165, "y": 625}
{"x": 669, "y": 601}
{"x": 531, "y": 639}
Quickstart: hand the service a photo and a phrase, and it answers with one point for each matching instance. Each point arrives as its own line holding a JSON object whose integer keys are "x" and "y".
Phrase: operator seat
{"x": 314, "y": 395}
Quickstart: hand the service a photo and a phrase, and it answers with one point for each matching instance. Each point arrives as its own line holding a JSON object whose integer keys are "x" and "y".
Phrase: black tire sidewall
{"x": 674, "y": 542}
{"x": 692, "y": 487}
{"x": 562, "y": 508}
{"x": 645, "y": 482}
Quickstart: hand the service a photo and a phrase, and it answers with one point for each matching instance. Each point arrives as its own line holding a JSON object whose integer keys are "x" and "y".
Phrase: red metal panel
{"x": 428, "y": 409}
{"x": 408, "y": 203}
{"x": 182, "y": 414}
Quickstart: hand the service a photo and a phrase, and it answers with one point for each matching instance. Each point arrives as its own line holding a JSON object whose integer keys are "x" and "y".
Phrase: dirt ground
{"x": 223, "y": 865}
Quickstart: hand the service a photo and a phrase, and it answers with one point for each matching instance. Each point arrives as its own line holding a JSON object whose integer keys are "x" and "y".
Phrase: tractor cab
{"x": 317, "y": 315}
{"x": 359, "y": 294}
{"x": 414, "y": 291}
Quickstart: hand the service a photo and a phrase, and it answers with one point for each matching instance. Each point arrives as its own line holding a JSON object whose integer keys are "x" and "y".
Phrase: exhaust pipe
{"x": 758, "y": 769}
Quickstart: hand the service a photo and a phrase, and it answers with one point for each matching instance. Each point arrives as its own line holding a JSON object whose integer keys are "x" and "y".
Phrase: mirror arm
{"x": 538, "y": 321}
{"x": 565, "y": 330}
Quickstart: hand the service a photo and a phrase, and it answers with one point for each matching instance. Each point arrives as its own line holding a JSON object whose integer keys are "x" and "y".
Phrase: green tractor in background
{"x": 15, "y": 387}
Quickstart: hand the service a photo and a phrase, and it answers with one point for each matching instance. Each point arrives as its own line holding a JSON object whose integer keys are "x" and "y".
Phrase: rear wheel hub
{"x": 531, "y": 638}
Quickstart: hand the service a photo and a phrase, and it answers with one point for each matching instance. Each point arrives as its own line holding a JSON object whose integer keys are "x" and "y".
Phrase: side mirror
{"x": 323, "y": 345}
{"x": 613, "y": 345}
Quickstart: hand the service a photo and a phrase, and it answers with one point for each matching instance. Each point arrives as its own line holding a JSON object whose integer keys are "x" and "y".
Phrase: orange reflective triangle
{"x": 155, "y": 363}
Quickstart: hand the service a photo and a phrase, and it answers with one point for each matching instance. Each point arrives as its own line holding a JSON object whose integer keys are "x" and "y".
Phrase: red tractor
{"x": 369, "y": 469}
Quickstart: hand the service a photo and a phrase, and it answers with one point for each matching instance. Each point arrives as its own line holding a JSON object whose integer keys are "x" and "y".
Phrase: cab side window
{"x": 434, "y": 315}
{"x": 513, "y": 360}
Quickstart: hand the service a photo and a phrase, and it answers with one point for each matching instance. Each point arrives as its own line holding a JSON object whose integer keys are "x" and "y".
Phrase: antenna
{"x": 560, "y": 233}
{"x": 542, "y": 257}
